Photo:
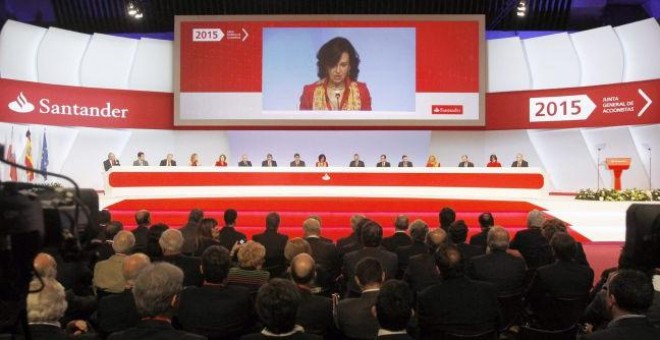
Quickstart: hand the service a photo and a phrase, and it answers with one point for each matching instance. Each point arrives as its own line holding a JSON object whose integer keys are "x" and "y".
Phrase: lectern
{"x": 617, "y": 165}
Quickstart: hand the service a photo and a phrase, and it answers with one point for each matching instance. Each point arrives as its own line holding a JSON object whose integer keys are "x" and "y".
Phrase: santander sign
{"x": 23, "y": 105}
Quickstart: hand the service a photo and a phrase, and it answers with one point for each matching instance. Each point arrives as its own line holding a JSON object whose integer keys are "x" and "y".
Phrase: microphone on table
{"x": 338, "y": 95}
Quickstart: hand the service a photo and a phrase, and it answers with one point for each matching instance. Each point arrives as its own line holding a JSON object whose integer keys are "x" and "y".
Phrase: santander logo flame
{"x": 21, "y": 104}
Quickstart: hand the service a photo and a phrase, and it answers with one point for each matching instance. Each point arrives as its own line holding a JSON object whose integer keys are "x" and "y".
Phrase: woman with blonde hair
{"x": 251, "y": 258}
{"x": 432, "y": 162}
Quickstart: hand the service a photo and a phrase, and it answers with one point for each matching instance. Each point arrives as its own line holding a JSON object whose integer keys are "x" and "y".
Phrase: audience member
{"x": 554, "y": 225}
{"x": 324, "y": 251}
{"x": 251, "y": 257}
{"x": 422, "y": 271}
{"x": 46, "y": 304}
{"x": 486, "y": 221}
{"x": 457, "y": 305}
{"x": 154, "y": 251}
{"x": 418, "y": 231}
{"x": 205, "y": 236}
{"x": 400, "y": 238}
{"x": 143, "y": 220}
{"x": 171, "y": 241}
{"x": 394, "y": 309}
{"x": 190, "y": 231}
{"x": 358, "y": 241}
{"x": 215, "y": 310}
{"x": 372, "y": 234}
{"x": 155, "y": 292}
{"x": 353, "y": 316}
{"x": 45, "y": 266}
{"x": 295, "y": 246}
{"x": 531, "y": 244}
{"x": 504, "y": 271}
{"x": 229, "y": 236}
{"x": 315, "y": 312}
{"x": 354, "y": 237}
{"x": 458, "y": 234}
{"x": 108, "y": 277}
{"x": 277, "y": 306}
{"x": 274, "y": 243}
{"x": 447, "y": 216}
{"x": 104, "y": 249}
{"x": 117, "y": 312}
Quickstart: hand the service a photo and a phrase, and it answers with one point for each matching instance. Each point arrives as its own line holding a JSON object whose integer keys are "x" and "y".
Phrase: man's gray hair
{"x": 133, "y": 266}
{"x": 418, "y": 230}
{"x": 498, "y": 239}
{"x": 155, "y": 287}
{"x": 311, "y": 226}
{"x": 123, "y": 242}
{"x": 535, "y": 219}
{"x": 171, "y": 241}
{"x": 47, "y": 304}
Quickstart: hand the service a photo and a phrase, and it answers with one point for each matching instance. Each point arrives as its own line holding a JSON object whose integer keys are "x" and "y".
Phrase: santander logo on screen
{"x": 21, "y": 104}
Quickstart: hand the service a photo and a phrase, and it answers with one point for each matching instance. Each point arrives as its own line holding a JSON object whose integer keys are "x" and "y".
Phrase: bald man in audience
{"x": 117, "y": 312}
{"x": 315, "y": 311}
{"x": 108, "y": 276}
{"x": 422, "y": 271}
{"x": 171, "y": 241}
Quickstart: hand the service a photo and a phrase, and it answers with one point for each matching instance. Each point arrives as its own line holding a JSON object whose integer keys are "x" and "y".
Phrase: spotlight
{"x": 134, "y": 9}
{"x": 138, "y": 15}
{"x": 521, "y": 10}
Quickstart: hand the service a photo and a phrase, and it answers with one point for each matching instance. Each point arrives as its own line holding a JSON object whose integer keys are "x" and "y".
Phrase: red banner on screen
{"x": 36, "y": 103}
{"x": 633, "y": 103}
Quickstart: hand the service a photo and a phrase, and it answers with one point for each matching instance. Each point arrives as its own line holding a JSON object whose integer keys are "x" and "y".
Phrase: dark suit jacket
{"x": 627, "y": 328}
{"x": 117, "y": 312}
{"x": 421, "y": 272}
{"x": 399, "y": 239}
{"x": 404, "y": 254}
{"x": 164, "y": 162}
{"x": 315, "y": 313}
{"x": 344, "y": 241}
{"x": 274, "y": 243}
{"x": 45, "y": 332}
{"x": 408, "y": 165}
{"x": 325, "y": 254}
{"x": 360, "y": 164}
{"x": 189, "y": 232}
{"x": 480, "y": 240}
{"x": 387, "y": 259}
{"x": 533, "y": 247}
{"x": 294, "y": 336}
{"x": 561, "y": 280}
{"x": 107, "y": 164}
{"x": 217, "y": 312}
{"x": 523, "y": 165}
{"x": 300, "y": 164}
{"x": 395, "y": 337}
{"x": 380, "y": 165}
{"x": 265, "y": 163}
{"x": 141, "y": 238}
{"x": 469, "y": 251}
{"x": 229, "y": 235}
{"x": 192, "y": 276}
{"x": 247, "y": 163}
{"x": 354, "y": 317}
{"x": 469, "y": 165}
{"x": 459, "y": 305}
{"x": 153, "y": 329}
{"x": 504, "y": 271}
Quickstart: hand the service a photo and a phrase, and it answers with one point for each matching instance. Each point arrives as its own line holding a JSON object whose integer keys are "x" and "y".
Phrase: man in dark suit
{"x": 486, "y": 221}
{"x": 297, "y": 162}
{"x": 324, "y": 252}
{"x": 190, "y": 231}
{"x": 383, "y": 163}
{"x": 229, "y": 236}
{"x": 458, "y": 234}
{"x": 405, "y": 163}
{"x": 422, "y": 271}
{"x": 354, "y": 317}
{"x": 171, "y": 241}
{"x": 155, "y": 293}
{"x": 520, "y": 162}
{"x": 168, "y": 161}
{"x": 400, "y": 238}
{"x": 117, "y": 312}
{"x": 447, "y": 216}
{"x": 110, "y": 162}
{"x": 531, "y": 244}
{"x": 456, "y": 305}
{"x": 504, "y": 271}
{"x": 269, "y": 162}
{"x": 372, "y": 234}
{"x": 353, "y": 238}
{"x": 140, "y": 161}
{"x": 143, "y": 220}
{"x": 465, "y": 163}
{"x": 215, "y": 310}
{"x": 418, "y": 231}
{"x": 315, "y": 311}
{"x": 274, "y": 243}
{"x": 356, "y": 162}
{"x": 394, "y": 309}
{"x": 629, "y": 295}
{"x": 244, "y": 161}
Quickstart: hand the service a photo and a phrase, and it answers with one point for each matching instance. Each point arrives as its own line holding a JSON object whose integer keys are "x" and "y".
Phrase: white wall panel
{"x": 553, "y": 62}
{"x": 641, "y": 49}
{"x": 645, "y": 137}
{"x": 156, "y": 144}
{"x": 619, "y": 143}
{"x": 600, "y": 54}
{"x": 19, "y": 44}
{"x": 507, "y": 66}
{"x": 152, "y": 67}
{"x": 107, "y": 62}
{"x": 207, "y": 144}
{"x": 449, "y": 146}
{"x": 60, "y": 56}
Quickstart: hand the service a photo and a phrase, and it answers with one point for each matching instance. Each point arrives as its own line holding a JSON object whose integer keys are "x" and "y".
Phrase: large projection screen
{"x": 390, "y": 71}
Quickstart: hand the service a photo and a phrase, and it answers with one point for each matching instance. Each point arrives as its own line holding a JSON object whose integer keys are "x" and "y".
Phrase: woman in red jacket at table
{"x": 222, "y": 160}
{"x": 493, "y": 162}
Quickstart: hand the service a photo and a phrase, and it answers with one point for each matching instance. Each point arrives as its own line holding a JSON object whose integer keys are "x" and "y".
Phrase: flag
{"x": 44, "y": 156}
{"x": 11, "y": 157}
{"x": 28, "y": 155}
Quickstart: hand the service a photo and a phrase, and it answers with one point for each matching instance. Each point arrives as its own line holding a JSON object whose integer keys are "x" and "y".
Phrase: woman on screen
{"x": 222, "y": 160}
{"x": 493, "y": 163}
{"x": 432, "y": 162}
{"x": 322, "y": 162}
{"x": 194, "y": 160}
{"x": 337, "y": 88}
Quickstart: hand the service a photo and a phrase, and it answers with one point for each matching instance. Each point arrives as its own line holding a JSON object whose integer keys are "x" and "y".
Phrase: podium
{"x": 617, "y": 165}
